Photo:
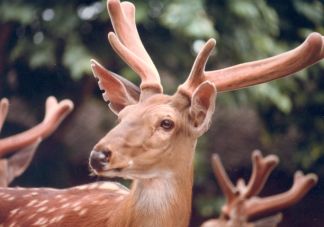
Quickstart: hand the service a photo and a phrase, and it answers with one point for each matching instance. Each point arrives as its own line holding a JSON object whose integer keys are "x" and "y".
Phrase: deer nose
{"x": 99, "y": 159}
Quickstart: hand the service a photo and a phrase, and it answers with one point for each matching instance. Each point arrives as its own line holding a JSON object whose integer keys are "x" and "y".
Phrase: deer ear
{"x": 18, "y": 163}
{"x": 202, "y": 107}
{"x": 119, "y": 91}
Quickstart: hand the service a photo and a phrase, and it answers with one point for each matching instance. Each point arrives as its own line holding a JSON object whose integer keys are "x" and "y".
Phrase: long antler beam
{"x": 253, "y": 73}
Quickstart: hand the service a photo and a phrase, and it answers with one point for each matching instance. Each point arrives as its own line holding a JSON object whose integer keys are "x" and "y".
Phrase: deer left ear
{"x": 119, "y": 91}
{"x": 202, "y": 107}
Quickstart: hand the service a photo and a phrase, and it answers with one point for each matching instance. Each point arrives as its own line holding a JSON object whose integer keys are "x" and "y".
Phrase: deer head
{"x": 143, "y": 144}
{"x": 155, "y": 131}
{"x": 25, "y": 144}
{"x": 242, "y": 202}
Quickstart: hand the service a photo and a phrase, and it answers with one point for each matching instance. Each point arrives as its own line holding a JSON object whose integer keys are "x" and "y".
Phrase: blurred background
{"x": 46, "y": 47}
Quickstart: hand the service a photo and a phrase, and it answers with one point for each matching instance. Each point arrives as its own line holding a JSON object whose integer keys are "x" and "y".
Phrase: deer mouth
{"x": 118, "y": 170}
{"x": 122, "y": 171}
{"x": 111, "y": 172}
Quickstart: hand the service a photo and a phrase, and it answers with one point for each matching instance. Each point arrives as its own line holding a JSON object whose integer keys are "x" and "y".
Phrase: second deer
{"x": 242, "y": 202}
{"x": 154, "y": 142}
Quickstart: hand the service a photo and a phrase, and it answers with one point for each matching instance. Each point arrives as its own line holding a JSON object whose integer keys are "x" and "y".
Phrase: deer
{"x": 24, "y": 144}
{"x": 242, "y": 202}
{"x": 154, "y": 142}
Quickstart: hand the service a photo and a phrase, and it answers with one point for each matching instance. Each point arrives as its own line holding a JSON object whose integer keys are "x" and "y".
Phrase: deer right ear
{"x": 119, "y": 91}
{"x": 202, "y": 107}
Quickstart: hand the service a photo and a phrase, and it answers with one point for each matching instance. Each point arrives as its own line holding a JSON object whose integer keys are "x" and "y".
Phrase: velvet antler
{"x": 25, "y": 144}
{"x": 55, "y": 113}
{"x": 253, "y": 73}
{"x": 241, "y": 201}
{"x": 302, "y": 184}
{"x": 127, "y": 44}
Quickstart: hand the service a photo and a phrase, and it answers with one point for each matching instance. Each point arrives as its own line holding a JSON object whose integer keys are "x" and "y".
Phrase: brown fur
{"x": 78, "y": 206}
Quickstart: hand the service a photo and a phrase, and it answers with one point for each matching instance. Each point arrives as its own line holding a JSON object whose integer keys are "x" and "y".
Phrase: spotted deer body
{"x": 54, "y": 207}
{"x": 155, "y": 140}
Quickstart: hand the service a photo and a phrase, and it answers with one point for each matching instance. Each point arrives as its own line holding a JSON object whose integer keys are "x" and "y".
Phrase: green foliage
{"x": 282, "y": 101}
{"x": 19, "y": 12}
{"x": 314, "y": 11}
{"x": 201, "y": 168}
{"x": 189, "y": 19}
{"x": 209, "y": 206}
{"x": 76, "y": 57}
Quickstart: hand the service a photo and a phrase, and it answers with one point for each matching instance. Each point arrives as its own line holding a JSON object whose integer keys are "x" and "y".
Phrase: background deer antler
{"x": 241, "y": 201}
{"x": 26, "y": 143}
{"x": 55, "y": 113}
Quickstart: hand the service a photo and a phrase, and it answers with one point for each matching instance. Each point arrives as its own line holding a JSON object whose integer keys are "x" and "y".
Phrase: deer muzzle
{"x": 98, "y": 160}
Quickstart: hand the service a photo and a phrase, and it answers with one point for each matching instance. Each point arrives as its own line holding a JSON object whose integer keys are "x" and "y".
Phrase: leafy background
{"x": 45, "y": 48}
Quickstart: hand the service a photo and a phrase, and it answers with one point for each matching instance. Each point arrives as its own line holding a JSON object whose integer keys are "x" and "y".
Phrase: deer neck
{"x": 160, "y": 201}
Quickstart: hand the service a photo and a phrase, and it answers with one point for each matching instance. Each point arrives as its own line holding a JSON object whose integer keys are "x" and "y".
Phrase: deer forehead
{"x": 152, "y": 109}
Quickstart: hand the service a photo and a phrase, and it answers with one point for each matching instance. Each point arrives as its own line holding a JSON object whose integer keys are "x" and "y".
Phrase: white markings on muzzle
{"x": 130, "y": 163}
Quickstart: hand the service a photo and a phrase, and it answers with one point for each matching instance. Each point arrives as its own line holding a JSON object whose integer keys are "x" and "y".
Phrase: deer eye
{"x": 167, "y": 124}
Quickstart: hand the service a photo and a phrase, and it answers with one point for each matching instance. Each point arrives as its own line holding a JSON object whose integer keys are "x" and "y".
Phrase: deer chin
{"x": 109, "y": 171}
{"x": 129, "y": 173}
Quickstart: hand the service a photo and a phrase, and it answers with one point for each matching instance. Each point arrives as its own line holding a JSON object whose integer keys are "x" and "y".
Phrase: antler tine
{"x": 55, "y": 113}
{"x": 197, "y": 74}
{"x": 4, "y": 106}
{"x": 302, "y": 184}
{"x": 230, "y": 192}
{"x": 128, "y": 44}
{"x": 262, "y": 168}
{"x": 253, "y": 73}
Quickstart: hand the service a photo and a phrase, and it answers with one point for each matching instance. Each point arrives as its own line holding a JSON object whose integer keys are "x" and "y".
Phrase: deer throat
{"x": 160, "y": 202}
